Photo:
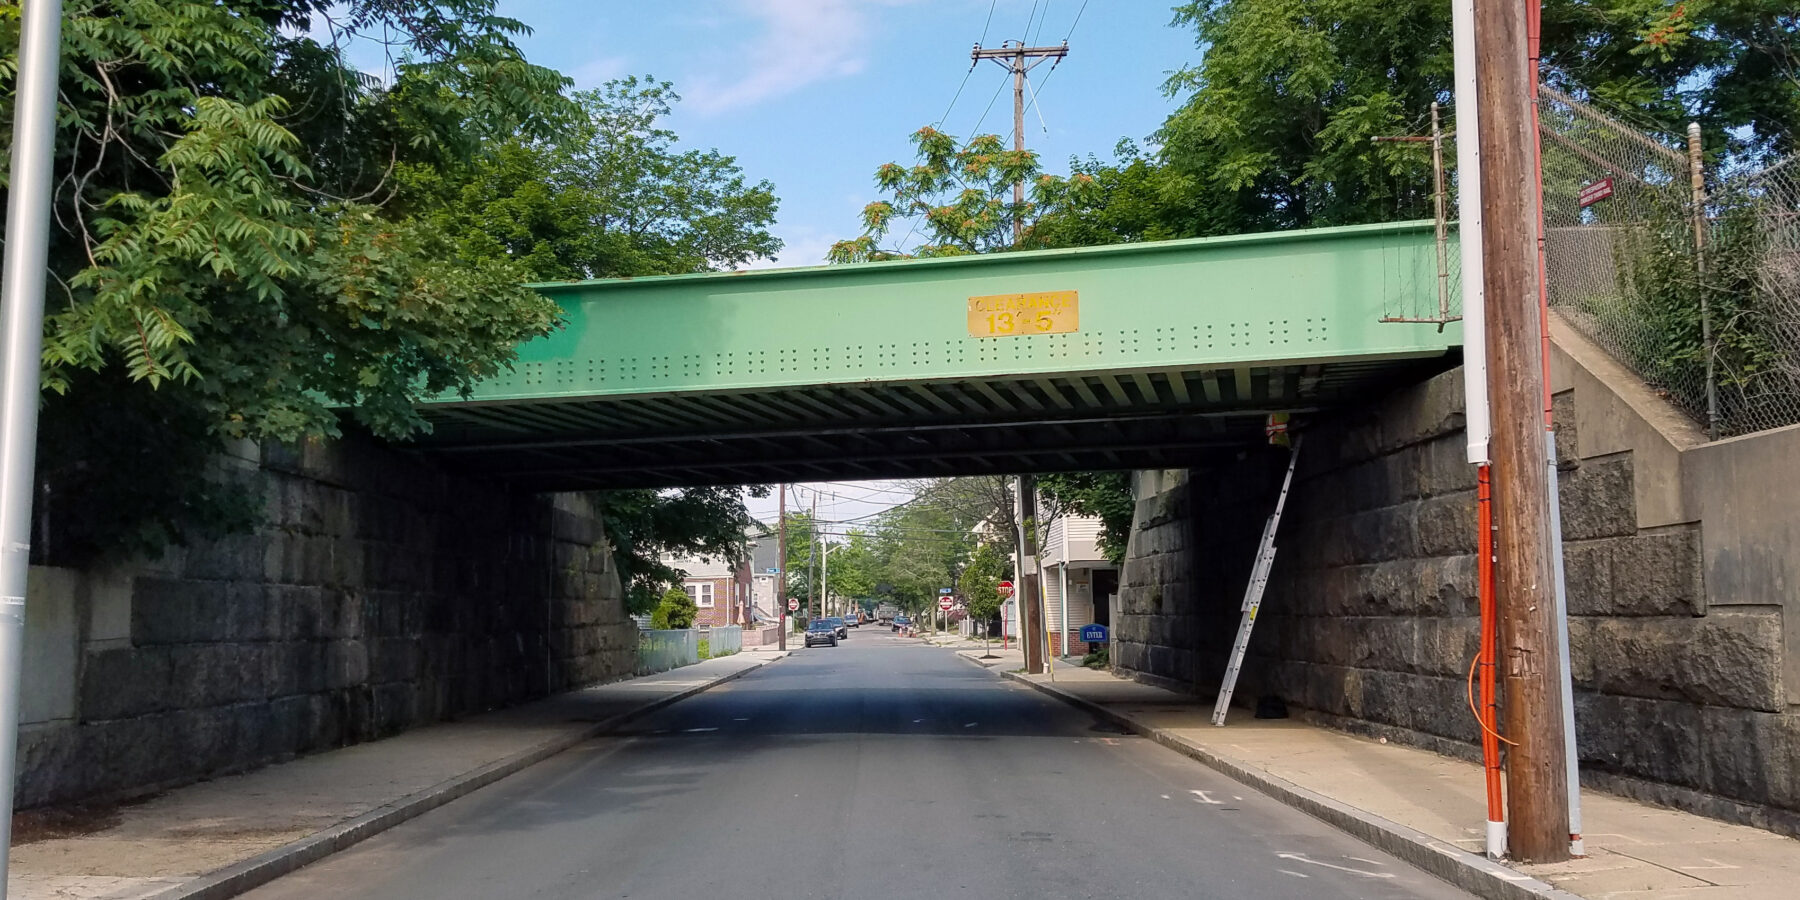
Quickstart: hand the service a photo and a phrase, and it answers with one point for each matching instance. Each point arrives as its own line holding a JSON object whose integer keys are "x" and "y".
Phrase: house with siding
{"x": 1079, "y": 584}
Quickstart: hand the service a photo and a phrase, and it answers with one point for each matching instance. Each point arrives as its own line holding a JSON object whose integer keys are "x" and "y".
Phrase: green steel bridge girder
{"x": 804, "y": 372}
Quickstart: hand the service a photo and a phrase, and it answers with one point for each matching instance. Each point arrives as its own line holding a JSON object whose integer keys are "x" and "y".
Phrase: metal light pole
{"x": 21, "y": 354}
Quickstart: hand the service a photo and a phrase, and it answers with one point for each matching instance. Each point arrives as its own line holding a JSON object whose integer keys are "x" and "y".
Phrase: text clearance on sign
{"x": 946, "y": 603}
{"x": 1006, "y": 589}
{"x": 1009, "y": 315}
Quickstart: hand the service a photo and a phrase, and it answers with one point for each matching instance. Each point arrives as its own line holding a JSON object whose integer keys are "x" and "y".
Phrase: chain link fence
{"x": 1694, "y": 286}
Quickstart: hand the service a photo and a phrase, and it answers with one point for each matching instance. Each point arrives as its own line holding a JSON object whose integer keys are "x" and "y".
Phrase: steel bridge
{"x": 1130, "y": 356}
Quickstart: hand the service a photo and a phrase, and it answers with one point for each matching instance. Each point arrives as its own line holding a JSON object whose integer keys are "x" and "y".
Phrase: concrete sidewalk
{"x": 1427, "y": 808}
{"x": 219, "y": 838}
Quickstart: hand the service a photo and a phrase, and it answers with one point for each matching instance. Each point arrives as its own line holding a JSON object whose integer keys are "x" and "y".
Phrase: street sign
{"x": 946, "y": 591}
{"x": 1596, "y": 192}
{"x": 1006, "y": 589}
{"x": 945, "y": 603}
{"x": 1093, "y": 634}
{"x": 793, "y": 604}
{"x": 772, "y": 570}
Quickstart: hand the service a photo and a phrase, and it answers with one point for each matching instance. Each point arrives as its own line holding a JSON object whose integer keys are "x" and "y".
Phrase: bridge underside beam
{"x": 821, "y": 433}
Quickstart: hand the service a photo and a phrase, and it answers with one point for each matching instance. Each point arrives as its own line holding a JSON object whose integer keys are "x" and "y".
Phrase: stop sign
{"x": 793, "y": 604}
{"x": 1006, "y": 589}
{"x": 945, "y": 603}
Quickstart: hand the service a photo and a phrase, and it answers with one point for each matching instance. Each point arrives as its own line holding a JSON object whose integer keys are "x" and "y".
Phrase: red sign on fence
{"x": 1596, "y": 192}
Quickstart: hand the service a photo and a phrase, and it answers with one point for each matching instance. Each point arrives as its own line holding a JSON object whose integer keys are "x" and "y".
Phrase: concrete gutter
{"x": 1472, "y": 872}
{"x": 265, "y": 867}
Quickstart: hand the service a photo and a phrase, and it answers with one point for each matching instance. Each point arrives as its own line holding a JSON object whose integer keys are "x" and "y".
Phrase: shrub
{"x": 676, "y": 610}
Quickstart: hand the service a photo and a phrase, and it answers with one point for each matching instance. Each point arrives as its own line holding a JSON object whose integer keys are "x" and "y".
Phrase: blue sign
{"x": 946, "y": 591}
{"x": 1093, "y": 634}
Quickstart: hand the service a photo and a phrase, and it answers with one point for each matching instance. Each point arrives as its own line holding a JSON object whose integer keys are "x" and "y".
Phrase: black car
{"x": 837, "y": 625}
{"x": 819, "y": 631}
{"x": 901, "y": 622}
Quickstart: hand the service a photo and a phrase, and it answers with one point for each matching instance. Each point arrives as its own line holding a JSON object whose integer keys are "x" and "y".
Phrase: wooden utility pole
{"x": 1019, "y": 59}
{"x": 1530, "y": 670}
{"x": 1027, "y": 595}
{"x": 781, "y": 581}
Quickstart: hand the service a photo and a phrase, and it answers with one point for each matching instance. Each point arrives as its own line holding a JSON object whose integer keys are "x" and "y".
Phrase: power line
{"x": 990, "y": 21}
{"x": 1076, "y": 22}
{"x": 1042, "y": 22}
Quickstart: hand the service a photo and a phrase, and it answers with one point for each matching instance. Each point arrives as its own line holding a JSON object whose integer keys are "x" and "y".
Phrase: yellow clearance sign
{"x": 1007, "y": 315}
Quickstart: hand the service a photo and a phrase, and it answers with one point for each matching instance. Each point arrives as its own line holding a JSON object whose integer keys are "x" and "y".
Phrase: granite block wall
{"x": 381, "y": 594}
{"x": 1370, "y": 619}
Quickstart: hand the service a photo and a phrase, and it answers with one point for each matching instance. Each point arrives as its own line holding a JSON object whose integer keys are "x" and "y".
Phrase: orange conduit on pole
{"x": 1488, "y": 715}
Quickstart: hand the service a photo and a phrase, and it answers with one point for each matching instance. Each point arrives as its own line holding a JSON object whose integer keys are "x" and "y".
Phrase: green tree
{"x": 1104, "y": 495}
{"x": 675, "y": 610}
{"x": 647, "y": 526}
{"x": 607, "y": 195}
{"x": 961, "y": 195}
{"x": 224, "y": 237}
{"x": 981, "y": 579}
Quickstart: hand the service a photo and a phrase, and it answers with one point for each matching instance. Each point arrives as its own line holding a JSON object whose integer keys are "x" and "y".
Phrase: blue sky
{"x": 814, "y": 94}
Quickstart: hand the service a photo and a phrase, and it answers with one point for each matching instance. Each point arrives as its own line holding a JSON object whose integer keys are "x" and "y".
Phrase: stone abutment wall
{"x": 381, "y": 594}
{"x": 1370, "y": 620}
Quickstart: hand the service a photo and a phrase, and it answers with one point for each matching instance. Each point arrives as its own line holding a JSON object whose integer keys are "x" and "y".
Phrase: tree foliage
{"x": 962, "y": 196}
{"x": 1104, "y": 495}
{"x": 251, "y": 236}
{"x": 607, "y": 195}
{"x": 675, "y": 609}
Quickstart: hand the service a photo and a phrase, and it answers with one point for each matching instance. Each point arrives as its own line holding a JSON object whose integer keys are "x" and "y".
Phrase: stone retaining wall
{"x": 1370, "y": 620}
{"x": 382, "y": 594}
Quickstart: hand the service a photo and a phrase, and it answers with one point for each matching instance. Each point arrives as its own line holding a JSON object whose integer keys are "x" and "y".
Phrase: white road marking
{"x": 1361, "y": 860}
{"x": 1301, "y": 857}
{"x": 971, "y": 724}
{"x": 697, "y": 730}
{"x": 1202, "y": 797}
{"x": 1715, "y": 865}
{"x": 1293, "y": 873}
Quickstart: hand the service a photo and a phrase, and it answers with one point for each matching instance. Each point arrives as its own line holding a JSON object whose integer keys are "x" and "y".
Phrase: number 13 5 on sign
{"x": 1007, "y": 315}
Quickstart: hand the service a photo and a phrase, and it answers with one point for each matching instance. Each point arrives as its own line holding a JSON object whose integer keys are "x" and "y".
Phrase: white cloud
{"x": 800, "y": 42}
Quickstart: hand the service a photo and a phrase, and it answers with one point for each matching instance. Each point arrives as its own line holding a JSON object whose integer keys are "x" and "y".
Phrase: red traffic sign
{"x": 1006, "y": 589}
{"x": 793, "y": 604}
{"x": 1596, "y": 192}
{"x": 945, "y": 603}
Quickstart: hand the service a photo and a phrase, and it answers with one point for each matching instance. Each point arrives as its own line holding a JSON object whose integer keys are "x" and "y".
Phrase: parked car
{"x": 901, "y": 623}
{"x": 852, "y": 620}
{"x": 837, "y": 623}
{"x": 819, "y": 631}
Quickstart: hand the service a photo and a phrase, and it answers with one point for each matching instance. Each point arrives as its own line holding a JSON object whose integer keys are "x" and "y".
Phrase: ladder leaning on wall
{"x": 1253, "y": 592}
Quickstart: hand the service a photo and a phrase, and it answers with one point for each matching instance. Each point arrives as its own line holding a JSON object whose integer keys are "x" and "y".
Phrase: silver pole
{"x": 21, "y": 355}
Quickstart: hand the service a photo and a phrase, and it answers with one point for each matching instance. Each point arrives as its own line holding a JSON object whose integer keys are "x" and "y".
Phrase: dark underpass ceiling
{"x": 895, "y": 430}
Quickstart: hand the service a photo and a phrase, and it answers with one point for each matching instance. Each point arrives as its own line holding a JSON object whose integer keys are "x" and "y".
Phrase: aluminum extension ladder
{"x": 1253, "y": 592}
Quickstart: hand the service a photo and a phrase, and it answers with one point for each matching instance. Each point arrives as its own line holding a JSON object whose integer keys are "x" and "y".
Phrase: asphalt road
{"x": 877, "y": 769}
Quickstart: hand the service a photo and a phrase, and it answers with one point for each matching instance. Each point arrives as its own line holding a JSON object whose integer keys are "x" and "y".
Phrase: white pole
{"x": 1468, "y": 207}
{"x": 21, "y": 356}
{"x": 1474, "y": 299}
{"x": 1062, "y": 588}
